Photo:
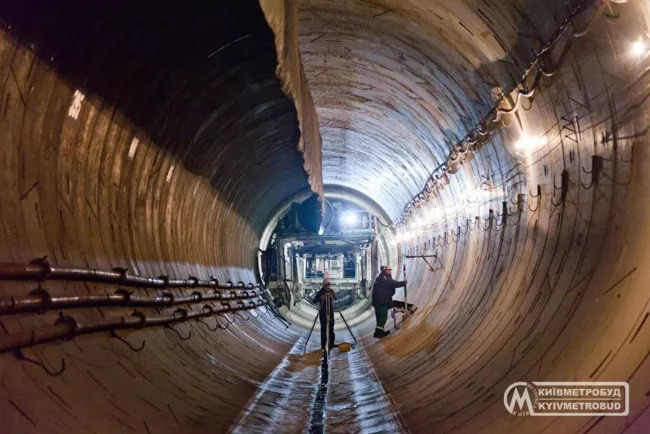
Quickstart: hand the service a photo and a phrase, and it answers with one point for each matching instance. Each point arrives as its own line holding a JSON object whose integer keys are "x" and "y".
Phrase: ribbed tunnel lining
{"x": 134, "y": 180}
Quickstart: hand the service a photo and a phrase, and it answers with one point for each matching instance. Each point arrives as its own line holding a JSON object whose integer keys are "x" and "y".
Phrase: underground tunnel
{"x": 178, "y": 182}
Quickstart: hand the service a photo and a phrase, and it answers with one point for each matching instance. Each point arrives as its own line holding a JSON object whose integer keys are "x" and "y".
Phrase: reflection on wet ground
{"x": 306, "y": 393}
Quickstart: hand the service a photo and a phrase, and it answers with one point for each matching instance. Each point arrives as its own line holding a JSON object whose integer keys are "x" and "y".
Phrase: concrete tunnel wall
{"x": 559, "y": 295}
{"x": 181, "y": 149}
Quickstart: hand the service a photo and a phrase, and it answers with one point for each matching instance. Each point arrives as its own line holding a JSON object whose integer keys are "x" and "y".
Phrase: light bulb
{"x": 350, "y": 218}
{"x": 527, "y": 142}
{"x": 638, "y": 48}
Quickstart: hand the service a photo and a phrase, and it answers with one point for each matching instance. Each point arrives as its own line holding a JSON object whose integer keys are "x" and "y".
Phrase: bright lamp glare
{"x": 528, "y": 143}
{"x": 435, "y": 214}
{"x": 403, "y": 236}
{"x": 477, "y": 195}
{"x": 638, "y": 48}
{"x": 350, "y": 218}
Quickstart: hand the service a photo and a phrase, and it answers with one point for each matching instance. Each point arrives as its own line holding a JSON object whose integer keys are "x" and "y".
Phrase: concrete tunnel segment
{"x": 163, "y": 140}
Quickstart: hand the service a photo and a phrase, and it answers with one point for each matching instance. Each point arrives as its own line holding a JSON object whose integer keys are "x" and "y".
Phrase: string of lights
{"x": 493, "y": 120}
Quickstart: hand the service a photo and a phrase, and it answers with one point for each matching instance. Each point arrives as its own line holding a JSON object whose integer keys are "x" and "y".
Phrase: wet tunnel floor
{"x": 304, "y": 394}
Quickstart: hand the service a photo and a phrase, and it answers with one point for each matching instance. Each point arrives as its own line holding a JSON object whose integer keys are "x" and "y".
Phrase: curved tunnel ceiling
{"x": 397, "y": 84}
{"x": 529, "y": 295}
{"x": 159, "y": 141}
{"x": 162, "y": 141}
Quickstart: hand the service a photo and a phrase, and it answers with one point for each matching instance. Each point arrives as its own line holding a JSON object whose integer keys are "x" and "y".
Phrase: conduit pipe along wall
{"x": 157, "y": 140}
{"x": 555, "y": 291}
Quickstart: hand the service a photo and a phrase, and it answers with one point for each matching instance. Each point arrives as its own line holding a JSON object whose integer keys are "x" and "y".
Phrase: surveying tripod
{"x": 328, "y": 304}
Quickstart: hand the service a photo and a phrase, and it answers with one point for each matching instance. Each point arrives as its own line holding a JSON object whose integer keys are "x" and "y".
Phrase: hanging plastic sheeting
{"x": 310, "y": 213}
{"x": 283, "y": 21}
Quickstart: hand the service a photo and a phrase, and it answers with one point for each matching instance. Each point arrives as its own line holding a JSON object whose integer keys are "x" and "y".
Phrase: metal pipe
{"x": 41, "y": 269}
{"x": 67, "y": 327}
{"x": 40, "y": 300}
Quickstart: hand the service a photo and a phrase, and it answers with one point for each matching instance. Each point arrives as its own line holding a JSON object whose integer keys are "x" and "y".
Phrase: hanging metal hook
{"x": 243, "y": 307}
{"x": 518, "y": 212}
{"x": 465, "y": 227}
{"x": 489, "y": 220}
{"x": 519, "y": 203}
{"x": 629, "y": 180}
{"x": 477, "y": 221}
{"x": 631, "y": 155}
{"x": 183, "y": 314}
{"x": 503, "y": 215}
{"x": 202, "y": 321}
{"x": 564, "y": 187}
{"x": 208, "y": 309}
{"x": 240, "y": 316}
{"x": 624, "y": 183}
{"x": 18, "y": 352}
{"x": 127, "y": 343}
{"x": 189, "y": 335}
{"x": 455, "y": 236}
{"x": 538, "y": 196}
{"x": 516, "y": 201}
{"x": 219, "y": 315}
{"x": 224, "y": 315}
{"x": 596, "y": 169}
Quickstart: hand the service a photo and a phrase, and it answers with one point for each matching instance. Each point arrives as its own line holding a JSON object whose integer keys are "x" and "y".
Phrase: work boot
{"x": 378, "y": 333}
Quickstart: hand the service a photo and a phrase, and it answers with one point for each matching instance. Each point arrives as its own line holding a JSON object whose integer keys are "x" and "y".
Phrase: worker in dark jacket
{"x": 382, "y": 298}
{"x": 325, "y": 299}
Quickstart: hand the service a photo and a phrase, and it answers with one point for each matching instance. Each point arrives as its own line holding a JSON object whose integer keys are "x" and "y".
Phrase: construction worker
{"x": 325, "y": 298}
{"x": 382, "y": 299}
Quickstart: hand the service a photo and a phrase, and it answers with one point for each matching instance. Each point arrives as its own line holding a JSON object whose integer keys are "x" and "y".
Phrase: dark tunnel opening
{"x": 147, "y": 155}
{"x": 184, "y": 80}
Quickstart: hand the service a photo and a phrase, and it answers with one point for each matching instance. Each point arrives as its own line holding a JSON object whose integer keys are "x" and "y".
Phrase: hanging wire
{"x": 544, "y": 66}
